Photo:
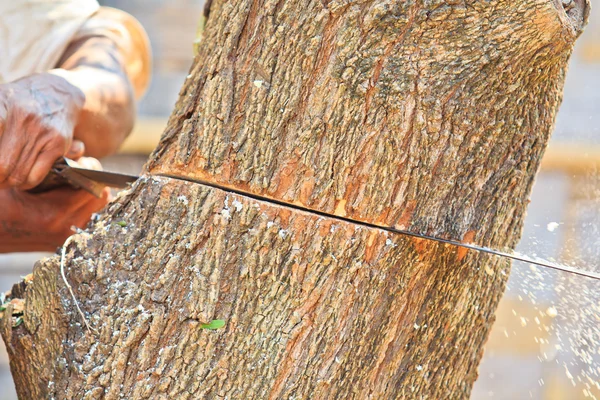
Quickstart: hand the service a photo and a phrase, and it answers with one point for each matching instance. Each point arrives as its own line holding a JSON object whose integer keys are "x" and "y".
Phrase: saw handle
{"x": 61, "y": 175}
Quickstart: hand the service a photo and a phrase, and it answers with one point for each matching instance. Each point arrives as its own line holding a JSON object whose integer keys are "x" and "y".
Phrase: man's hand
{"x": 42, "y": 222}
{"x": 38, "y": 115}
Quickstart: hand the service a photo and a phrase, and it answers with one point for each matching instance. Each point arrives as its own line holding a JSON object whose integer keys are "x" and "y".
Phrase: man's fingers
{"x": 89, "y": 163}
{"x": 11, "y": 150}
{"x": 44, "y": 164}
{"x": 76, "y": 150}
{"x": 19, "y": 175}
{"x": 26, "y": 159}
{"x": 41, "y": 166}
{"x": 36, "y": 113}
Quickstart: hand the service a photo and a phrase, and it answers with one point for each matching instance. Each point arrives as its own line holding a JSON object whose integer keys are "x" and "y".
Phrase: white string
{"x": 62, "y": 272}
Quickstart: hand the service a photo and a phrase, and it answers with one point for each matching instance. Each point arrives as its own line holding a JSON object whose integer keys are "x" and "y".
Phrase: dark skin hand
{"x": 84, "y": 107}
{"x": 37, "y": 119}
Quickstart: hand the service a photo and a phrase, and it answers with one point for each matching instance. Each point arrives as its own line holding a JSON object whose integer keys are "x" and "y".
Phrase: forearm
{"x": 14, "y": 239}
{"x": 109, "y": 110}
{"x": 42, "y": 221}
{"x": 96, "y": 66}
{"x": 16, "y": 231}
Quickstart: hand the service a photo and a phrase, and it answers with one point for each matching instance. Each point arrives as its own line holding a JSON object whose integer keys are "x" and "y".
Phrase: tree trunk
{"x": 426, "y": 116}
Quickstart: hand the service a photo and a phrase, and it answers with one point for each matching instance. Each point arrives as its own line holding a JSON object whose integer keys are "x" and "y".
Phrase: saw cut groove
{"x": 469, "y": 246}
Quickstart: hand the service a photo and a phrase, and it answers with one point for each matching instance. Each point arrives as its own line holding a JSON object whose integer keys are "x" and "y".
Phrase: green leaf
{"x": 122, "y": 223}
{"x": 18, "y": 322}
{"x": 2, "y": 307}
{"x": 214, "y": 324}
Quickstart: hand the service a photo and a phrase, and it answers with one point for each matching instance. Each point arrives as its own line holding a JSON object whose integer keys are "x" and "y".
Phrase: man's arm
{"x": 42, "y": 222}
{"x": 109, "y": 59}
{"x": 97, "y": 68}
{"x": 85, "y": 105}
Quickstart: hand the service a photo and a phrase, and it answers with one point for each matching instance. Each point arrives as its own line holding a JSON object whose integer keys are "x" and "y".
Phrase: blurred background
{"x": 545, "y": 343}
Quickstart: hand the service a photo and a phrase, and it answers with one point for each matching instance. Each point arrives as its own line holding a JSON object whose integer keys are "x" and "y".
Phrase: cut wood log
{"x": 428, "y": 116}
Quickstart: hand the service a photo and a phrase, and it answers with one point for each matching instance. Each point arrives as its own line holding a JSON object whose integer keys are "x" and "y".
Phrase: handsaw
{"x": 66, "y": 172}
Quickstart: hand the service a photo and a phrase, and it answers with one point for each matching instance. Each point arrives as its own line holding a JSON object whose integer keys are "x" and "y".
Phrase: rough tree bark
{"x": 430, "y": 116}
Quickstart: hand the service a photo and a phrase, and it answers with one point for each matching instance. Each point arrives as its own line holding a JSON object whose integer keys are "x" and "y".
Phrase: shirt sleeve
{"x": 35, "y": 33}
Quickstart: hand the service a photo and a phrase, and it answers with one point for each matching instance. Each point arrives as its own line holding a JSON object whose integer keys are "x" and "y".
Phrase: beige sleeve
{"x": 35, "y": 33}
